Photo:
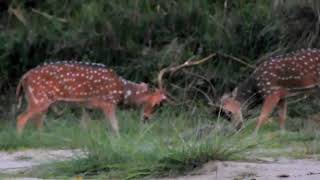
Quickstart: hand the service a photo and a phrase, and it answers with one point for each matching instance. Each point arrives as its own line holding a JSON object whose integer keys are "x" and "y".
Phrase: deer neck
{"x": 133, "y": 95}
{"x": 247, "y": 93}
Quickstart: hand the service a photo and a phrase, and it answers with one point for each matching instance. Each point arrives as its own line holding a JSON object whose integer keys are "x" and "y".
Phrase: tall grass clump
{"x": 162, "y": 148}
{"x": 130, "y": 158}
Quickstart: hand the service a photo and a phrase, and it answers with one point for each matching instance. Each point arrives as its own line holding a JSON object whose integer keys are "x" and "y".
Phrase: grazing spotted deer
{"x": 90, "y": 84}
{"x": 272, "y": 82}
{"x": 93, "y": 85}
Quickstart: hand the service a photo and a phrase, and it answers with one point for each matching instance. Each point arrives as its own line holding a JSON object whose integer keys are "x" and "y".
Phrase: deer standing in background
{"x": 93, "y": 85}
{"x": 272, "y": 82}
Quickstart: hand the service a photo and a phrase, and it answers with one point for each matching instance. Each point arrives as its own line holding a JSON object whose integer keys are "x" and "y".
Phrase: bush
{"x": 138, "y": 38}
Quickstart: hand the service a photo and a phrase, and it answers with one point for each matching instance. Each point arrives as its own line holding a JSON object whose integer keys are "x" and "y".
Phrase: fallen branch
{"x": 238, "y": 60}
{"x": 18, "y": 14}
{"x": 210, "y": 101}
{"x": 48, "y": 16}
{"x": 299, "y": 99}
{"x": 201, "y": 77}
{"x": 173, "y": 69}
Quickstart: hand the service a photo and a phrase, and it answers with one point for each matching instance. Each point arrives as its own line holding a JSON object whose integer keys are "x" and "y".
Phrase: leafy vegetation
{"x": 138, "y": 38}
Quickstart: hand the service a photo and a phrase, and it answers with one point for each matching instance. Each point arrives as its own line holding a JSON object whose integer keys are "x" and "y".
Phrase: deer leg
{"x": 23, "y": 119}
{"x": 109, "y": 111}
{"x": 39, "y": 120}
{"x": 282, "y": 113}
{"x": 56, "y": 110}
{"x": 269, "y": 103}
{"x": 85, "y": 119}
{"x": 33, "y": 111}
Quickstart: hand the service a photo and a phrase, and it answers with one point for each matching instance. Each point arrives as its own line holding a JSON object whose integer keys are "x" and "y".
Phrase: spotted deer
{"x": 274, "y": 80}
{"x": 90, "y": 84}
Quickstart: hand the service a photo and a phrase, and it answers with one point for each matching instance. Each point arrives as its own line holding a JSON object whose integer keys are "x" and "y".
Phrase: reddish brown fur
{"x": 276, "y": 79}
{"x": 90, "y": 84}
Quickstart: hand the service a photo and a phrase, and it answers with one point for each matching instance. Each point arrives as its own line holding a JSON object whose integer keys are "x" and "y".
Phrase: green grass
{"x": 57, "y": 134}
{"x": 173, "y": 143}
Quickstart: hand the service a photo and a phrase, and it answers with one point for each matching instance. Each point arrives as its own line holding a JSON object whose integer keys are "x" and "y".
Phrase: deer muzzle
{"x": 237, "y": 120}
{"x": 145, "y": 118}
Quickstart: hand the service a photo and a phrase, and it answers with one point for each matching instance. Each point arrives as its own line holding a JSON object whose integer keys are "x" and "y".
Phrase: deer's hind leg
{"x": 282, "y": 113}
{"x": 23, "y": 118}
{"x": 34, "y": 110}
{"x": 38, "y": 118}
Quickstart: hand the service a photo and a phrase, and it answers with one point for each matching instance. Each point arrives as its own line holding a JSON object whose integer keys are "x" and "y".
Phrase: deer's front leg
{"x": 84, "y": 119}
{"x": 110, "y": 112}
{"x": 269, "y": 103}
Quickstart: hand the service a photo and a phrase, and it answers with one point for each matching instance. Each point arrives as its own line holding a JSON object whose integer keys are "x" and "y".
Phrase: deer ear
{"x": 234, "y": 92}
{"x": 163, "y": 97}
{"x": 224, "y": 97}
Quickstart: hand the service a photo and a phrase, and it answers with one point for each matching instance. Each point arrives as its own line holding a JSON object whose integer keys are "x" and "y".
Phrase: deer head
{"x": 152, "y": 101}
{"x": 140, "y": 94}
{"x": 232, "y": 108}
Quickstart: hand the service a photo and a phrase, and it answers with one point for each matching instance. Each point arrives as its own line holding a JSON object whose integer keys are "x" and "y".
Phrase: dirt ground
{"x": 12, "y": 163}
{"x": 304, "y": 169}
{"x": 263, "y": 169}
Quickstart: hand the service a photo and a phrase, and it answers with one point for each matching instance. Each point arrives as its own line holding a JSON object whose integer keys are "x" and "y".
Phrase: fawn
{"x": 90, "y": 84}
{"x": 273, "y": 81}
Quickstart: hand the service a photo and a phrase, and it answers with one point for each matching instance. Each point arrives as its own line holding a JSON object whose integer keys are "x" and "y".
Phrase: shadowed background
{"x": 139, "y": 37}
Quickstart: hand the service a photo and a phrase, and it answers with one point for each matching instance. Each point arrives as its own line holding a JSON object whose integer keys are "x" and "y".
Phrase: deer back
{"x": 71, "y": 81}
{"x": 289, "y": 73}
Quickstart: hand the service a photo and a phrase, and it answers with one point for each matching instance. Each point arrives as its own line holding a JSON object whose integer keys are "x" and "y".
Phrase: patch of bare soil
{"x": 260, "y": 168}
{"x": 20, "y": 161}
{"x": 306, "y": 169}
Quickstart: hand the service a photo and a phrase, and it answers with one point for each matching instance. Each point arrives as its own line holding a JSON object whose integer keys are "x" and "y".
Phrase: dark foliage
{"x": 138, "y": 38}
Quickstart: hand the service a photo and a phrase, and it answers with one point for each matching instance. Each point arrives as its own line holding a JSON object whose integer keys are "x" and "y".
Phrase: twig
{"x": 191, "y": 63}
{"x": 180, "y": 88}
{"x": 210, "y": 101}
{"x": 17, "y": 12}
{"x": 48, "y": 16}
{"x": 171, "y": 100}
{"x": 299, "y": 99}
{"x": 201, "y": 77}
{"x": 188, "y": 63}
{"x": 238, "y": 60}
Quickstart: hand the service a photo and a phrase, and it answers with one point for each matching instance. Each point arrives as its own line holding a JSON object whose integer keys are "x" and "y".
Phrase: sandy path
{"x": 289, "y": 169}
{"x": 268, "y": 169}
{"x": 15, "y": 162}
